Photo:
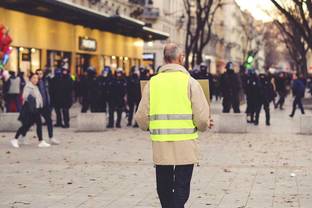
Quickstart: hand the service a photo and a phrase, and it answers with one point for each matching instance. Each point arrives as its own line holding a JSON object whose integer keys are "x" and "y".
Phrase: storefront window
{"x": 25, "y": 59}
{"x": 34, "y": 59}
{"x": 13, "y": 60}
{"x": 83, "y": 61}
{"x": 59, "y": 59}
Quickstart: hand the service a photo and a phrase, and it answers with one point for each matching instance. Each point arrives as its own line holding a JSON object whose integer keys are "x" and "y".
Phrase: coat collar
{"x": 172, "y": 68}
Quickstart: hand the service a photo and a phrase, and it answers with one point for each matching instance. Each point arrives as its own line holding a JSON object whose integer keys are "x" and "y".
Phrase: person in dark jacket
{"x": 90, "y": 91}
{"x": 298, "y": 89}
{"x": 104, "y": 80}
{"x": 30, "y": 113}
{"x": 133, "y": 93}
{"x": 13, "y": 91}
{"x": 230, "y": 87}
{"x": 46, "y": 109}
{"x": 116, "y": 98}
{"x": 281, "y": 82}
{"x": 265, "y": 96}
{"x": 252, "y": 94}
{"x": 61, "y": 96}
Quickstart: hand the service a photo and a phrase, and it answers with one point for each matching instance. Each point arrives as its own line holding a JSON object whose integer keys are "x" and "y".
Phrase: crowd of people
{"x": 115, "y": 93}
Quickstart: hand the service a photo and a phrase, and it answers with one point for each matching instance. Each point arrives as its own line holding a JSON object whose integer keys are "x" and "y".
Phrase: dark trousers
{"x": 281, "y": 100}
{"x": 25, "y": 127}
{"x": 13, "y": 100}
{"x": 173, "y": 184}
{"x": 231, "y": 102}
{"x": 46, "y": 114}
{"x": 133, "y": 107}
{"x": 62, "y": 114}
{"x": 266, "y": 106}
{"x": 297, "y": 101}
{"x": 86, "y": 104}
{"x": 112, "y": 108}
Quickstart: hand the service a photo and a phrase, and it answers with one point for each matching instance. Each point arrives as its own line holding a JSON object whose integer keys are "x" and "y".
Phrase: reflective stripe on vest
{"x": 171, "y": 116}
{"x": 172, "y": 131}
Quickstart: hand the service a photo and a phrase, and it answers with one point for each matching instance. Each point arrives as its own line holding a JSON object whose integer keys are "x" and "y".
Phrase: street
{"x": 268, "y": 167}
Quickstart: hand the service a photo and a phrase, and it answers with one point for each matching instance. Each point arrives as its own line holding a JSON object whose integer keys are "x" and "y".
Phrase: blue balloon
{"x": 5, "y": 59}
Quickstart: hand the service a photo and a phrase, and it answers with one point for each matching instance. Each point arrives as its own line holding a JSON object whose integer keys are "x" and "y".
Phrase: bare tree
{"x": 299, "y": 14}
{"x": 198, "y": 28}
{"x": 295, "y": 44}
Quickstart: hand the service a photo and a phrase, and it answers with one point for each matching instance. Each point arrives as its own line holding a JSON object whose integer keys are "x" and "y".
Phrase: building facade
{"x": 72, "y": 35}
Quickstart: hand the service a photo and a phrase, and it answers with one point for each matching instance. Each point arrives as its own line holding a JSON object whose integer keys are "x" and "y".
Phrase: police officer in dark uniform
{"x": 265, "y": 96}
{"x": 252, "y": 94}
{"x": 90, "y": 91}
{"x": 116, "y": 98}
{"x": 230, "y": 88}
{"x": 104, "y": 80}
{"x": 133, "y": 93}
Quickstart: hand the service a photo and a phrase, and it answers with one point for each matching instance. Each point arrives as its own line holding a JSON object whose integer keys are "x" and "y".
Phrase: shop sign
{"x": 87, "y": 44}
{"x": 148, "y": 56}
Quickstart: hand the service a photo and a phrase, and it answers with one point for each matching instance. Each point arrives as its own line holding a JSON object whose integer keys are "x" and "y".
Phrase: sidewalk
{"x": 269, "y": 167}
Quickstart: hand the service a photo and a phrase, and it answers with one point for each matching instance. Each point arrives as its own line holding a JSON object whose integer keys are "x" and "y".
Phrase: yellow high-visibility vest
{"x": 170, "y": 113}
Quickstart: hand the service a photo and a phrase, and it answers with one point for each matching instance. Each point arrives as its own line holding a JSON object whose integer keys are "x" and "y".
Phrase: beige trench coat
{"x": 179, "y": 152}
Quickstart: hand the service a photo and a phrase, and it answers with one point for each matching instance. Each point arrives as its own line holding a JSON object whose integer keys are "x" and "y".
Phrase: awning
{"x": 66, "y": 11}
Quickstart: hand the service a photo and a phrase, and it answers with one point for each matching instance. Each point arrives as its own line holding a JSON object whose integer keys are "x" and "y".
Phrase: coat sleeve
{"x": 200, "y": 107}
{"x": 141, "y": 115}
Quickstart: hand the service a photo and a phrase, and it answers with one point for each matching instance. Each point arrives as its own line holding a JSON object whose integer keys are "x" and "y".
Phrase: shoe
{"x": 14, "y": 143}
{"x": 65, "y": 126}
{"x": 109, "y": 126}
{"x": 129, "y": 124}
{"x": 22, "y": 140}
{"x": 256, "y": 123}
{"x": 118, "y": 126}
{"x": 58, "y": 125}
{"x": 291, "y": 115}
{"x": 136, "y": 125}
{"x": 43, "y": 144}
{"x": 268, "y": 124}
{"x": 54, "y": 141}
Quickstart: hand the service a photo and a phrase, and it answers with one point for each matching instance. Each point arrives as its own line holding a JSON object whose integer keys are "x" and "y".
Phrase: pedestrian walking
{"x": 46, "y": 109}
{"x": 30, "y": 113}
{"x": 173, "y": 108}
{"x": 230, "y": 87}
{"x": 281, "y": 89}
{"x": 252, "y": 94}
{"x": 265, "y": 96}
{"x": 298, "y": 89}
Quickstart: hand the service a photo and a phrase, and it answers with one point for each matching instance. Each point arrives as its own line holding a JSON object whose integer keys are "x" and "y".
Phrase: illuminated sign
{"x": 87, "y": 44}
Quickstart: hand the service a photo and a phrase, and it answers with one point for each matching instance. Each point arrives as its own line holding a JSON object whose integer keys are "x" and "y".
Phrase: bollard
{"x": 9, "y": 122}
{"x": 231, "y": 123}
{"x": 306, "y": 124}
{"x": 91, "y": 122}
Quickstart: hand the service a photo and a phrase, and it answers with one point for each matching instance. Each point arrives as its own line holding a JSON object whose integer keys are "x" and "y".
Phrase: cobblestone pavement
{"x": 268, "y": 167}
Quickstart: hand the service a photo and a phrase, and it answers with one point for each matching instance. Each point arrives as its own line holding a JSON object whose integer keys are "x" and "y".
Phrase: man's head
{"x": 173, "y": 54}
{"x": 39, "y": 72}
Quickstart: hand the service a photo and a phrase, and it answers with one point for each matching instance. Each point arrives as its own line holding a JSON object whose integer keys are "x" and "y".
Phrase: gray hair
{"x": 171, "y": 52}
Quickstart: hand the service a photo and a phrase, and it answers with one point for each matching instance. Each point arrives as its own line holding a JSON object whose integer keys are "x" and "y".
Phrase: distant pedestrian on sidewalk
{"x": 30, "y": 113}
{"x": 298, "y": 89}
{"x": 173, "y": 108}
{"x": 46, "y": 110}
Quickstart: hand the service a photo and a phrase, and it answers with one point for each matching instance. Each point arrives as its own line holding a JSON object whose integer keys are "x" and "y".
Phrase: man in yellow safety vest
{"x": 173, "y": 108}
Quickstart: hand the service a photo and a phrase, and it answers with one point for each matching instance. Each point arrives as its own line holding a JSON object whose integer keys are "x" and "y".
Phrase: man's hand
{"x": 210, "y": 123}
